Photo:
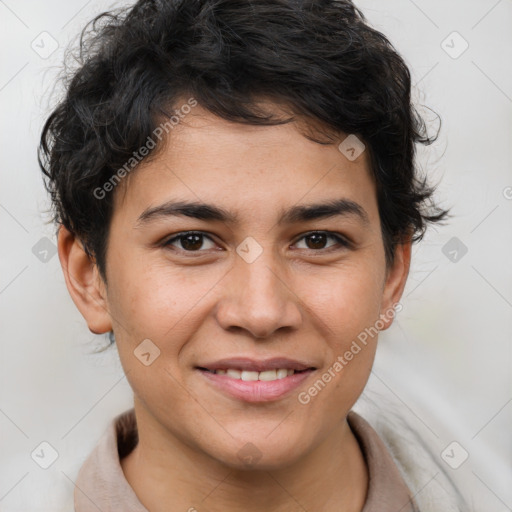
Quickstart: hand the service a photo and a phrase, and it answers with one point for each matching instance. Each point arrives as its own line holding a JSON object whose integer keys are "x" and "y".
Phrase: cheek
{"x": 151, "y": 301}
{"x": 149, "y": 311}
{"x": 347, "y": 302}
{"x": 347, "y": 310}
{"x": 166, "y": 306}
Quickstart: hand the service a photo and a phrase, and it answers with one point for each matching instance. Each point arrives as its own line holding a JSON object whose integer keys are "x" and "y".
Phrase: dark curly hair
{"x": 319, "y": 58}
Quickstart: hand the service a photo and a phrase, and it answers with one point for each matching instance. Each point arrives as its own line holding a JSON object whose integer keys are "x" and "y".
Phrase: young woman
{"x": 236, "y": 195}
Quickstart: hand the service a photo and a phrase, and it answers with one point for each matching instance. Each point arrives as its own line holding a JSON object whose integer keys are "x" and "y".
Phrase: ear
{"x": 84, "y": 283}
{"x": 396, "y": 279}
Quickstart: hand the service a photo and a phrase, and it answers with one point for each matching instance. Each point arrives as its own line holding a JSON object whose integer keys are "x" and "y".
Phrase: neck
{"x": 163, "y": 470}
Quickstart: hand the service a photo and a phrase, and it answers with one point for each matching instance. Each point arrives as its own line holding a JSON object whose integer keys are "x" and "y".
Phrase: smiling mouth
{"x": 247, "y": 375}
{"x": 254, "y": 379}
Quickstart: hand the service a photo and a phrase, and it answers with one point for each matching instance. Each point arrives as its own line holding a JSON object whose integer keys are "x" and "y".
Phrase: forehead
{"x": 245, "y": 168}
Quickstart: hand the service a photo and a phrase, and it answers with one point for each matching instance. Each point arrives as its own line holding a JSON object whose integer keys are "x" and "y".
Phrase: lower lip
{"x": 256, "y": 390}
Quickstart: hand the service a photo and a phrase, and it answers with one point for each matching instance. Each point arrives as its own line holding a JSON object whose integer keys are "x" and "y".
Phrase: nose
{"x": 258, "y": 298}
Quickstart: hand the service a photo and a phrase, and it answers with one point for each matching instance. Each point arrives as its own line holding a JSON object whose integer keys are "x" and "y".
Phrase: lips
{"x": 253, "y": 365}
{"x": 253, "y": 380}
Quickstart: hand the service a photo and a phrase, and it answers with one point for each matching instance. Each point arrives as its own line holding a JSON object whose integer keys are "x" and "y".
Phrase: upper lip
{"x": 255, "y": 365}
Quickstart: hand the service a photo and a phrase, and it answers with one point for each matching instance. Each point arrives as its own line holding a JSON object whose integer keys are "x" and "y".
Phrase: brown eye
{"x": 318, "y": 239}
{"x": 191, "y": 241}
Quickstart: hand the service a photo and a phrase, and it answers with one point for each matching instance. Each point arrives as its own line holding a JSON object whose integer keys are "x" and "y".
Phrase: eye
{"x": 190, "y": 241}
{"x": 316, "y": 240}
{"x": 193, "y": 241}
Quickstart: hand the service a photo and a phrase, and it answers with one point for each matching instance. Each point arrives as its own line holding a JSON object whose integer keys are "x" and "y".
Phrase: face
{"x": 258, "y": 285}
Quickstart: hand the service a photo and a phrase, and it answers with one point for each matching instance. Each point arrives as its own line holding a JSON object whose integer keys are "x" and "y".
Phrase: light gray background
{"x": 446, "y": 362}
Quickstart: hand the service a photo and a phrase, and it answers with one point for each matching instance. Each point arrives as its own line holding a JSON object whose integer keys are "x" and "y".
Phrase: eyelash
{"x": 341, "y": 241}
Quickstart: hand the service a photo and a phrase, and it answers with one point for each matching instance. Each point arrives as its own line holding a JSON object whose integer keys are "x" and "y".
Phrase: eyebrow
{"x": 299, "y": 213}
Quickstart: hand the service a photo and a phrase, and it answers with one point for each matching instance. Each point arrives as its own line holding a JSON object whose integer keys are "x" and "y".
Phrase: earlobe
{"x": 395, "y": 282}
{"x": 84, "y": 283}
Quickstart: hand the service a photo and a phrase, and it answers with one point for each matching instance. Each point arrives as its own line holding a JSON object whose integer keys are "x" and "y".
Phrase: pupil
{"x": 318, "y": 240}
{"x": 196, "y": 244}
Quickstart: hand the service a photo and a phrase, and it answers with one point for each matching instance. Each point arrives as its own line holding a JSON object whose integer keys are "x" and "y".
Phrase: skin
{"x": 297, "y": 300}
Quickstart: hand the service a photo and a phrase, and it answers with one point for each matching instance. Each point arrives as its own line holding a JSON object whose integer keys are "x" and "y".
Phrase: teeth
{"x": 250, "y": 375}
{"x": 235, "y": 374}
{"x": 282, "y": 373}
{"x": 266, "y": 375}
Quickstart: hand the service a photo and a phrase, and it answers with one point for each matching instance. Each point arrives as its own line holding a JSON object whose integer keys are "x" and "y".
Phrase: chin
{"x": 259, "y": 454}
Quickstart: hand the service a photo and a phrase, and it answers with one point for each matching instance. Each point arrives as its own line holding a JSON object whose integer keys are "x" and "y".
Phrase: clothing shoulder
{"x": 431, "y": 485}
